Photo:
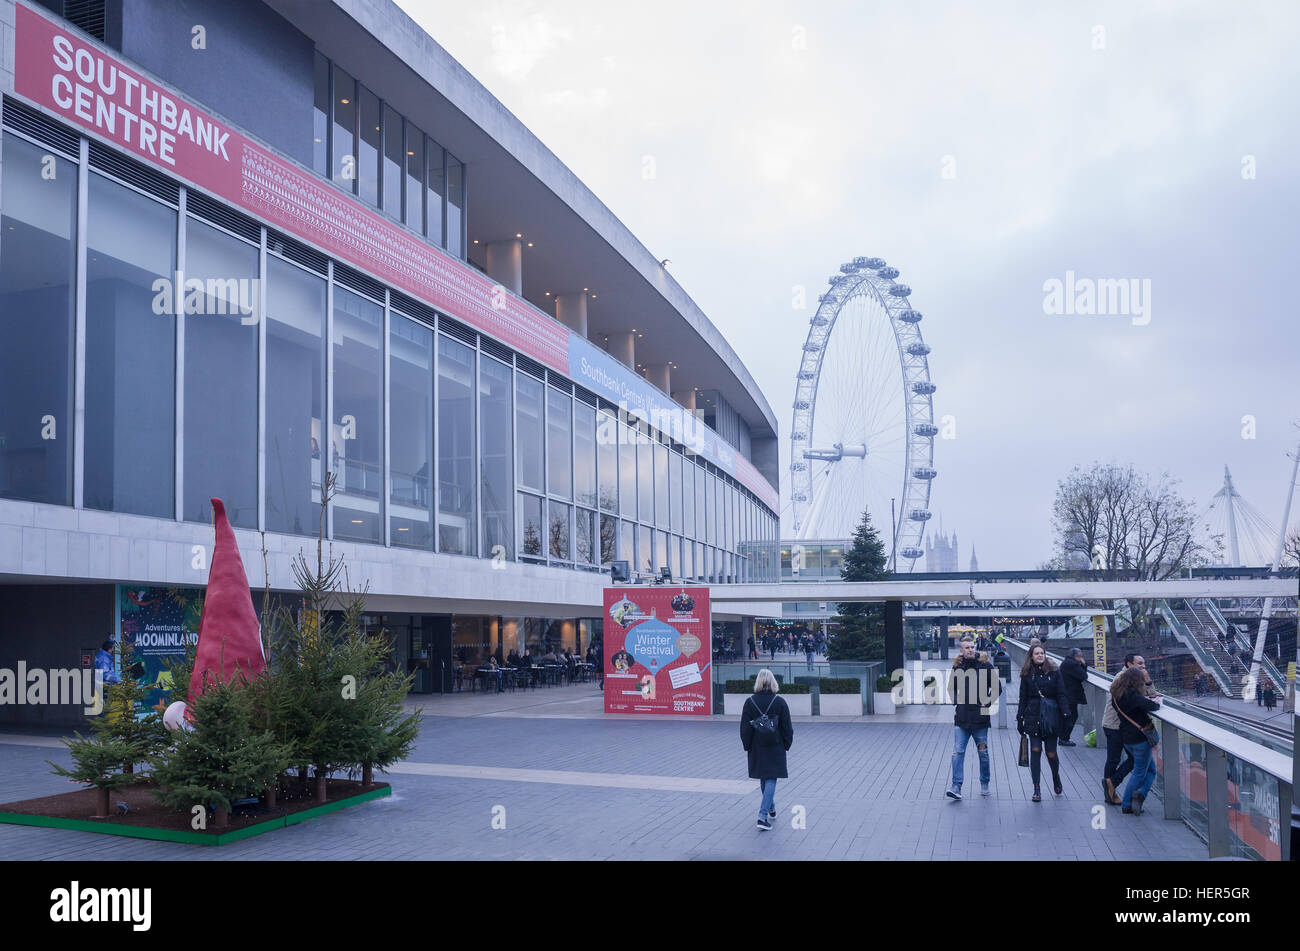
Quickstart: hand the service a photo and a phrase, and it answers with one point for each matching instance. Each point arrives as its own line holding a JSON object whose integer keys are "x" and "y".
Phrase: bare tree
{"x": 1126, "y": 527}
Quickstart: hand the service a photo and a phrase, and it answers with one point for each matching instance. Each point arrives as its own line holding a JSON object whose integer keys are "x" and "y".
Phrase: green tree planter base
{"x": 113, "y": 826}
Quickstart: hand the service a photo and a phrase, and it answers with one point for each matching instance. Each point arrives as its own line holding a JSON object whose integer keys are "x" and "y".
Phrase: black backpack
{"x": 764, "y": 726}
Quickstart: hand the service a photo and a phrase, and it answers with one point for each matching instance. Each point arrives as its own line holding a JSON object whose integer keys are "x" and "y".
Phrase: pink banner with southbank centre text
{"x": 60, "y": 71}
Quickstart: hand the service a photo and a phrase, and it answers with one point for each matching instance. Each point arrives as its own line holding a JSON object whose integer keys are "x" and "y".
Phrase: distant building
{"x": 974, "y": 562}
{"x": 941, "y": 554}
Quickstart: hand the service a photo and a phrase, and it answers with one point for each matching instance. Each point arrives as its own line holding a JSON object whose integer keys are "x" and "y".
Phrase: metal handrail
{"x": 1219, "y": 743}
{"x": 1203, "y": 657}
{"x": 1243, "y": 640}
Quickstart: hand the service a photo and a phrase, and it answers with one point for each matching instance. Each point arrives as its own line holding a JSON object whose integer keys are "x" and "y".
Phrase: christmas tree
{"x": 223, "y": 758}
{"x": 861, "y": 627}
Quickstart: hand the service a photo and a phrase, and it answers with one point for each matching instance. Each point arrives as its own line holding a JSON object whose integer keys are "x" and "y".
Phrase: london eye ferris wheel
{"x": 863, "y": 428}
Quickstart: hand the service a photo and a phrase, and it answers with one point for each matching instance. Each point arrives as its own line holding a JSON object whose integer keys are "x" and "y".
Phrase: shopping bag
{"x": 1024, "y": 751}
{"x": 1091, "y": 738}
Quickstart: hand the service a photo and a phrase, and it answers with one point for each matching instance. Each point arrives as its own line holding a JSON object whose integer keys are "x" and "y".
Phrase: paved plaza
{"x": 569, "y": 783}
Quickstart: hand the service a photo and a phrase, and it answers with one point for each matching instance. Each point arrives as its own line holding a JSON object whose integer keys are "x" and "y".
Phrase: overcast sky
{"x": 789, "y": 137}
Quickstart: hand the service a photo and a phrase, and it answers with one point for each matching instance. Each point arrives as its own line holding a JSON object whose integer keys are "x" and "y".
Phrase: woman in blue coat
{"x": 766, "y": 749}
{"x": 1039, "y": 681}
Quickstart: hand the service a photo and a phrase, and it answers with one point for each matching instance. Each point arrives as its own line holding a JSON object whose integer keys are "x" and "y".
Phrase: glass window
{"x": 608, "y": 539}
{"x": 343, "y": 148}
{"x": 661, "y": 551}
{"x": 675, "y": 493}
{"x": 394, "y": 162}
{"x": 661, "y": 485}
{"x": 295, "y": 374}
{"x": 627, "y": 472}
{"x": 688, "y": 497}
{"x": 584, "y": 536}
{"x": 410, "y": 431}
{"x": 321, "y": 116}
{"x": 530, "y": 525}
{"x": 701, "y": 504}
{"x": 414, "y": 216}
{"x": 455, "y": 206}
{"x": 607, "y": 451}
{"x": 675, "y": 556}
{"x": 584, "y": 453}
{"x": 356, "y": 442}
{"x": 559, "y": 444}
{"x": 37, "y": 319}
{"x": 435, "y": 188}
{"x": 645, "y": 552}
{"x": 645, "y": 478}
{"x": 627, "y": 543}
{"x": 130, "y": 353}
{"x": 220, "y": 420}
{"x": 557, "y": 531}
{"x": 457, "y": 526}
{"x": 368, "y": 148}
{"x": 528, "y": 431}
{"x": 494, "y": 384}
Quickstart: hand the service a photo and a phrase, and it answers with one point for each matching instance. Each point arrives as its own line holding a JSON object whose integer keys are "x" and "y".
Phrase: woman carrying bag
{"x": 766, "y": 733}
{"x": 1138, "y": 733}
{"x": 1042, "y": 698}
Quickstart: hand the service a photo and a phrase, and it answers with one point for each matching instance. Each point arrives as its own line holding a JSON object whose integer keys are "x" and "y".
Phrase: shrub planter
{"x": 841, "y": 704}
{"x": 884, "y": 703}
{"x": 797, "y": 697}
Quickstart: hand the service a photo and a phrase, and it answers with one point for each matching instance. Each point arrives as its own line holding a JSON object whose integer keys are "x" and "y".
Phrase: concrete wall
{"x": 46, "y": 626}
{"x": 57, "y": 543}
{"x": 256, "y": 69}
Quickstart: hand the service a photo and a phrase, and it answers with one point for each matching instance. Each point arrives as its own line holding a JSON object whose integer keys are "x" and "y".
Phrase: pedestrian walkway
{"x": 597, "y": 787}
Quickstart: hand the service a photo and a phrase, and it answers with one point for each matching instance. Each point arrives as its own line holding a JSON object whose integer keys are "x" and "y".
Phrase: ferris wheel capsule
{"x": 918, "y": 349}
{"x": 924, "y": 387}
{"x": 900, "y": 290}
{"x": 910, "y": 316}
{"x": 888, "y": 273}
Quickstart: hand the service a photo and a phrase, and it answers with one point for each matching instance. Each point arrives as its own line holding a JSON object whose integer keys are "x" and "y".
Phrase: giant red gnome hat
{"x": 230, "y": 637}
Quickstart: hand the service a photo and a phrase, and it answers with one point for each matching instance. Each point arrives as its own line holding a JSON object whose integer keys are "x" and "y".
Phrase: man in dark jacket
{"x": 1074, "y": 673}
{"x": 973, "y": 686}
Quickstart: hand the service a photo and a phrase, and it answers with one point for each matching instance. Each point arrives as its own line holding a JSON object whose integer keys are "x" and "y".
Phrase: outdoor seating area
{"x": 491, "y": 677}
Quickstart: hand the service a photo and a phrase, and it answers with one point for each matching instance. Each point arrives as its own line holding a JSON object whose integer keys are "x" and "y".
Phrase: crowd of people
{"x": 808, "y": 643}
{"x": 1047, "y": 712}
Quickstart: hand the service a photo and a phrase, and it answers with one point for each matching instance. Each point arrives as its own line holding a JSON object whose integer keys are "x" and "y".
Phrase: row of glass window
{"x": 583, "y": 487}
{"x": 369, "y": 149}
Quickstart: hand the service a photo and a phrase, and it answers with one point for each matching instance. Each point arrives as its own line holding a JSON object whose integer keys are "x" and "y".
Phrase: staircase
{"x": 1239, "y": 641}
{"x": 1193, "y": 624}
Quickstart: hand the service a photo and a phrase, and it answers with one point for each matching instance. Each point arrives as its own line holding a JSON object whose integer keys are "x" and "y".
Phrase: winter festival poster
{"x": 155, "y": 627}
{"x": 657, "y": 650}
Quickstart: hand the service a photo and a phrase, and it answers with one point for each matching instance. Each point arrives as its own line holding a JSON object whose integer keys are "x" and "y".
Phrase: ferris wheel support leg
{"x": 893, "y": 636}
{"x": 943, "y": 638}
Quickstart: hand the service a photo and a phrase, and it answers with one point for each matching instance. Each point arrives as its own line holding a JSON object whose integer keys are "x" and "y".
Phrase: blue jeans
{"x": 960, "y": 739}
{"x": 1144, "y": 772}
{"x": 768, "y": 786}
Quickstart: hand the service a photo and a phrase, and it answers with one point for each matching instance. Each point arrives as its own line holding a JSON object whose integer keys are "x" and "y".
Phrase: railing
{"x": 789, "y": 671}
{"x": 1233, "y": 792}
{"x": 1207, "y": 660}
{"x": 1243, "y": 640}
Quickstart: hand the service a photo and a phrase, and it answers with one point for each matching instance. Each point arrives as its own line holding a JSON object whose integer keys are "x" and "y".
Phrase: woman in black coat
{"x": 766, "y": 749}
{"x": 1040, "y": 680}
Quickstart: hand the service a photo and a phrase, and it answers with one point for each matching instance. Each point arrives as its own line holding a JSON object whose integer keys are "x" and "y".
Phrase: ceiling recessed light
{"x": 318, "y": 140}
{"x": 345, "y": 101}
{"x": 408, "y": 153}
{"x": 356, "y": 521}
{"x": 548, "y": 293}
{"x": 530, "y": 244}
{"x": 476, "y": 240}
{"x": 518, "y": 235}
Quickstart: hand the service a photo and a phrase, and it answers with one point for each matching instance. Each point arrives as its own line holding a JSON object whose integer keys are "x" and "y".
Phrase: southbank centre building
{"x": 252, "y": 247}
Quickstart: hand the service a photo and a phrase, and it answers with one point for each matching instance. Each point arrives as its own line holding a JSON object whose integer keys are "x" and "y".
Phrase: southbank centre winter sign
{"x": 657, "y": 650}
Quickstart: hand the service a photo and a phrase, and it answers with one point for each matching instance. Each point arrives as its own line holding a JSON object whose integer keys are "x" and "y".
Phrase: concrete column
{"x": 685, "y": 398}
{"x": 622, "y": 347}
{"x": 893, "y": 636}
{"x": 505, "y": 264}
{"x": 661, "y": 375}
{"x": 943, "y": 638}
{"x": 571, "y": 310}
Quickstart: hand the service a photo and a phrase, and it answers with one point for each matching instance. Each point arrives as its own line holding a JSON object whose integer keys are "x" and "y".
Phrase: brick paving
{"x": 573, "y": 786}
